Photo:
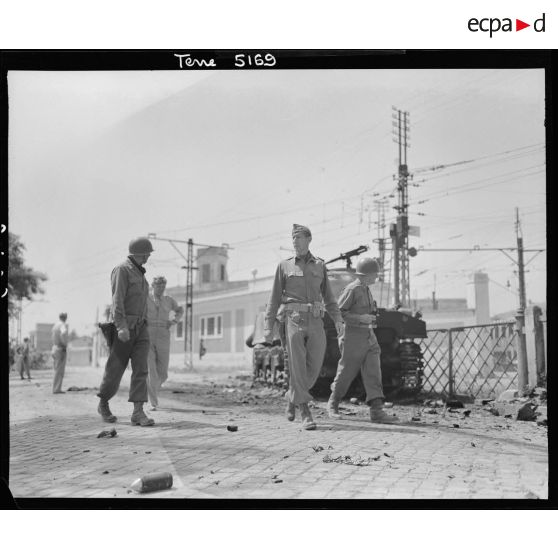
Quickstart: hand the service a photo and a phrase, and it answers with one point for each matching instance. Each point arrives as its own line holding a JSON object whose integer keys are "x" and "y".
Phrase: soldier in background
{"x": 59, "y": 351}
{"x": 24, "y": 363}
{"x": 360, "y": 351}
{"x": 301, "y": 288}
{"x": 159, "y": 307}
{"x": 128, "y": 313}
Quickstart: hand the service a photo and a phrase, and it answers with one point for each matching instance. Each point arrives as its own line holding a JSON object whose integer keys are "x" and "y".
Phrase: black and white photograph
{"x": 271, "y": 275}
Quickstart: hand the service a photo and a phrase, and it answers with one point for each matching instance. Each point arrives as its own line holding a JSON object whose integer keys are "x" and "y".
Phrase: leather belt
{"x": 298, "y": 307}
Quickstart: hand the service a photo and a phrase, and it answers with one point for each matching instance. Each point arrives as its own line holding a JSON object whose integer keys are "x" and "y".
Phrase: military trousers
{"x": 306, "y": 344}
{"x": 59, "y": 360}
{"x": 24, "y": 366}
{"x": 360, "y": 352}
{"x": 158, "y": 361}
{"x": 136, "y": 351}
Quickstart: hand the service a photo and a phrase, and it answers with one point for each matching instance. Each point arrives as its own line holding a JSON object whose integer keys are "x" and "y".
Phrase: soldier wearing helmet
{"x": 301, "y": 289}
{"x": 159, "y": 307}
{"x": 128, "y": 313}
{"x": 360, "y": 351}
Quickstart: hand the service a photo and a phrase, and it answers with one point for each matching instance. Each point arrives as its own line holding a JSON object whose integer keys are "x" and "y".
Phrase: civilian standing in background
{"x": 159, "y": 307}
{"x": 59, "y": 351}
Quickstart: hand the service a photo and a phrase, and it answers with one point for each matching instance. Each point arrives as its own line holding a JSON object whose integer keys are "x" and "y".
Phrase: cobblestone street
{"x": 55, "y": 452}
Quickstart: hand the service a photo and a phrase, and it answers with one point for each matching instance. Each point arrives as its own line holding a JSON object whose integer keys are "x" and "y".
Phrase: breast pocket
{"x": 295, "y": 284}
{"x": 135, "y": 285}
{"x": 316, "y": 277}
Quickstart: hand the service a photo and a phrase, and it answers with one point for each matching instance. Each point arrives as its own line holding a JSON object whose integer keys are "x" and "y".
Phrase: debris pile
{"x": 348, "y": 460}
{"x": 510, "y": 405}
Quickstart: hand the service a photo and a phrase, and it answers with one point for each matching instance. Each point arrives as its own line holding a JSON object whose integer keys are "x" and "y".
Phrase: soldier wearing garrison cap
{"x": 300, "y": 295}
{"x": 360, "y": 351}
{"x": 131, "y": 342}
{"x": 159, "y": 307}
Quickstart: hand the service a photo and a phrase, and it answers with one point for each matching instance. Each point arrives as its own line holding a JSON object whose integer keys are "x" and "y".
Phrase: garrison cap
{"x": 301, "y": 229}
{"x": 159, "y": 280}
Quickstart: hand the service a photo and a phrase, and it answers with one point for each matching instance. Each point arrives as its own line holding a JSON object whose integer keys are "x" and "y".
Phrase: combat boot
{"x": 139, "y": 418}
{"x": 290, "y": 411}
{"x": 104, "y": 410}
{"x": 307, "y": 420}
{"x": 377, "y": 413}
{"x": 333, "y": 408}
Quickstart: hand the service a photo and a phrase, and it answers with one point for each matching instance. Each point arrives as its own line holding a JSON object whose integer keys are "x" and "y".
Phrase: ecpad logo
{"x": 494, "y": 24}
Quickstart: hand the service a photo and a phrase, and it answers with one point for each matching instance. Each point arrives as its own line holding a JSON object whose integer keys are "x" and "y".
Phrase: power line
{"x": 480, "y": 184}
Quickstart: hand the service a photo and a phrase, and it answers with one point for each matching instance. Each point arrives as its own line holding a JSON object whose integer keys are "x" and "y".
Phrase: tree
{"x": 23, "y": 281}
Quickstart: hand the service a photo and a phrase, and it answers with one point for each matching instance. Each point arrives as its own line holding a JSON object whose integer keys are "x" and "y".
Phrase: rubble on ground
{"x": 107, "y": 433}
{"x": 510, "y": 404}
{"x": 348, "y": 460}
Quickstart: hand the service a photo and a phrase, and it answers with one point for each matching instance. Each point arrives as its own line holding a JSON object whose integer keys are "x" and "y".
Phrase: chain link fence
{"x": 473, "y": 361}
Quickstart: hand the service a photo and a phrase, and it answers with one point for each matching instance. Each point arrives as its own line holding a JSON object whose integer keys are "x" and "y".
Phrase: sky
{"x": 97, "y": 158}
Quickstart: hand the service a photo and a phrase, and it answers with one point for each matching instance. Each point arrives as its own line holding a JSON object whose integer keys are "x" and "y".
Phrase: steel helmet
{"x": 367, "y": 265}
{"x": 140, "y": 245}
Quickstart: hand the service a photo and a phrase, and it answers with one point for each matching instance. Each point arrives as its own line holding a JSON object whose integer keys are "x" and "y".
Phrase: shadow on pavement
{"x": 420, "y": 428}
{"x": 182, "y": 410}
{"x": 190, "y": 425}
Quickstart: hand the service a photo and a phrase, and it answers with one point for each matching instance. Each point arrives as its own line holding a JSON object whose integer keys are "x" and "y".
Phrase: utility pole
{"x": 520, "y": 265}
{"x": 189, "y": 307}
{"x": 400, "y": 231}
{"x": 522, "y": 370}
{"x": 19, "y": 319}
{"x": 380, "y": 206}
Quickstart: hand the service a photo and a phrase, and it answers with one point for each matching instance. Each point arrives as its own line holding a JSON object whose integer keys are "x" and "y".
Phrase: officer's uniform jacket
{"x": 129, "y": 295}
{"x": 354, "y": 301}
{"x": 301, "y": 280}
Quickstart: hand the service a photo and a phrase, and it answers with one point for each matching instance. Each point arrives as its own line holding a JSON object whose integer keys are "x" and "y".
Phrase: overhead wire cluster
{"x": 348, "y": 207}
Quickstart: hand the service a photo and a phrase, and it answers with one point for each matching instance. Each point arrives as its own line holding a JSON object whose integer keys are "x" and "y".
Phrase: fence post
{"x": 540, "y": 360}
{"x": 522, "y": 371}
{"x": 450, "y": 364}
